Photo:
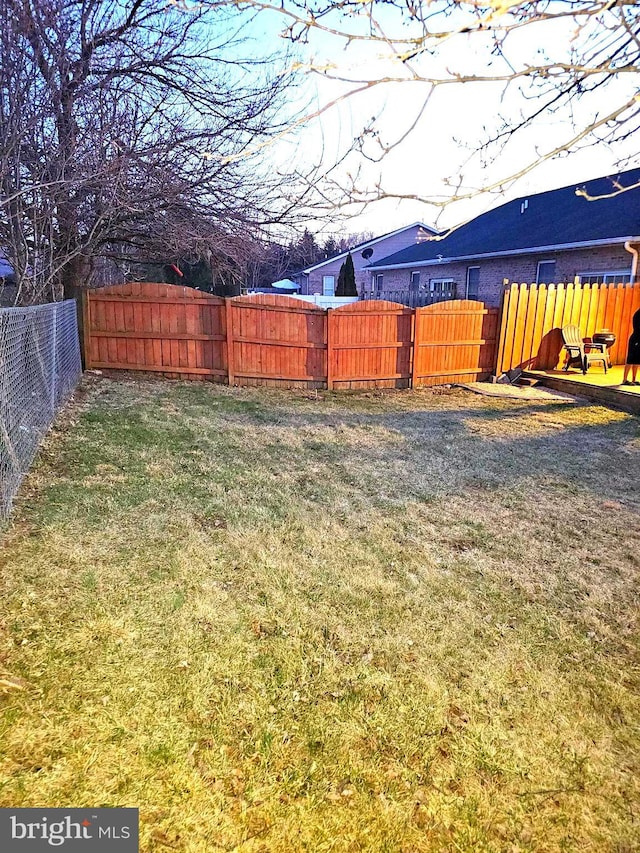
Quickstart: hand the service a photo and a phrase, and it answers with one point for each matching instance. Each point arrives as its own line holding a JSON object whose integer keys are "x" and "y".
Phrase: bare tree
{"x": 120, "y": 126}
{"x": 575, "y": 60}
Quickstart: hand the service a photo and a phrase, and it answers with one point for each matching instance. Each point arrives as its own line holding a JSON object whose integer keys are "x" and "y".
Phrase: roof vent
{"x": 524, "y": 205}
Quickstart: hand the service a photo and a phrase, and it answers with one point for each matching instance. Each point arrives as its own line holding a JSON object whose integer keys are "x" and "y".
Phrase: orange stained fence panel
{"x": 159, "y": 328}
{"x": 533, "y": 317}
{"x": 277, "y": 340}
{"x": 371, "y": 345}
{"x": 455, "y": 341}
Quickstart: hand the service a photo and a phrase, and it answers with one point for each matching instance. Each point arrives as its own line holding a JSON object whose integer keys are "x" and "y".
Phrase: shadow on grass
{"x": 217, "y": 453}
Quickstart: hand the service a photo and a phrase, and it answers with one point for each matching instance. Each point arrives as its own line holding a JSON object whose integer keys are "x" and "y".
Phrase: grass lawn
{"x": 282, "y": 622}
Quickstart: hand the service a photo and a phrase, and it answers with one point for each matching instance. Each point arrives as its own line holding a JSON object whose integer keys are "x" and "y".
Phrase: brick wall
{"x": 519, "y": 268}
{"x": 330, "y": 268}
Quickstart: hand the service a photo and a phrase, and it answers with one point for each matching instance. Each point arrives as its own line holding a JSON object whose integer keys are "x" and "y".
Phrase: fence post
{"x": 85, "y": 329}
{"x": 229, "y": 318}
{"x": 503, "y": 323}
{"x": 54, "y": 357}
{"x": 415, "y": 348}
{"x": 330, "y": 335}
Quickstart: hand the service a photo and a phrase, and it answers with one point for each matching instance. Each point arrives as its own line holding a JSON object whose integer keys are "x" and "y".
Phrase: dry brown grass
{"x": 368, "y": 622}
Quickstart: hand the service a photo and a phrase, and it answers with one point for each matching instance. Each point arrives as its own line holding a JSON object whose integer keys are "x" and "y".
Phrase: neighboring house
{"x": 323, "y": 276}
{"x": 554, "y": 236}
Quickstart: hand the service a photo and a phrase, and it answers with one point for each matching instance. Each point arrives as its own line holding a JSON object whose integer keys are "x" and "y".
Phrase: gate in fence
{"x": 39, "y": 368}
{"x": 276, "y": 340}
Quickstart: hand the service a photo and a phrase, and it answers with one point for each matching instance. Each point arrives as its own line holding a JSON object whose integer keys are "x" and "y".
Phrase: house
{"x": 323, "y": 276}
{"x": 555, "y": 236}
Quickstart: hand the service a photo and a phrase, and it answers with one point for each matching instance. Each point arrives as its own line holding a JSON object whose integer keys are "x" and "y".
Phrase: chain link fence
{"x": 39, "y": 368}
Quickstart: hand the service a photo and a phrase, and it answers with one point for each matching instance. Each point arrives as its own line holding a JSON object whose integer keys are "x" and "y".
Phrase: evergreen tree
{"x": 330, "y": 248}
{"x": 349, "y": 278}
{"x": 305, "y": 251}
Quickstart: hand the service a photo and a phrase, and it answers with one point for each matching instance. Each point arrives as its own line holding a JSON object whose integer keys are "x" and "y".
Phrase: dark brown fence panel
{"x": 276, "y": 340}
{"x": 454, "y": 342}
{"x": 370, "y": 345}
{"x": 533, "y": 317}
{"x": 160, "y": 328}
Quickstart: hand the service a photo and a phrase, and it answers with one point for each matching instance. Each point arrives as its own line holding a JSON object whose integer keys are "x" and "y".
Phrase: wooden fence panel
{"x": 454, "y": 342}
{"x": 554, "y": 333}
{"x": 161, "y": 328}
{"x": 599, "y": 318}
{"x": 544, "y": 342}
{"x": 276, "y": 340}
{"x": 505, "y": 343}
{"x": 533, "y": 317}
{"x": 371, "y": 345}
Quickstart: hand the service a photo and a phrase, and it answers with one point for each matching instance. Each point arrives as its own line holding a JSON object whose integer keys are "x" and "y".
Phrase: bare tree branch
{"x": 554, "y": 59}
{"x": 117, "y": 125}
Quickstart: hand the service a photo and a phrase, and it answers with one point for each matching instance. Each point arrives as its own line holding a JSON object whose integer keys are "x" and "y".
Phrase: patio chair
{"x": 581, "y": 353}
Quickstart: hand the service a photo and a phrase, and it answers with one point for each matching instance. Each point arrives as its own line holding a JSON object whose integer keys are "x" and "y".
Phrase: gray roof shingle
{"x": 549, "y": 219}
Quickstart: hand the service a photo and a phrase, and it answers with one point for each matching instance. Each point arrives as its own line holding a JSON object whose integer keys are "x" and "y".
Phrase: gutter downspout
{"x": 634, "y": 263}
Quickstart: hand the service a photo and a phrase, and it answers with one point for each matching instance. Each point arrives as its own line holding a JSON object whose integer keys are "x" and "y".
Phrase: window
{"x": 609, "y": 277}
{"x": 473, "y": 282}
{"x": 546, "y": 272}
{"x": 328, "y": 285}
{"x": 379, "y": 282}
{"x": 414, "y": 281}
{"x": 443, "y": 286}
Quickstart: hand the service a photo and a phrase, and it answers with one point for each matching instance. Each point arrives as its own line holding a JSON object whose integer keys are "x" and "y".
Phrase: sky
{"x": 456, "y": 118}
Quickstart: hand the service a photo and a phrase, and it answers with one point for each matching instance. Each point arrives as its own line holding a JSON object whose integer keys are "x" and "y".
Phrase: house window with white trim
{"x": 328, "y": 285}
{"x": 608, "y": 277}
{"x": 546, "y": 272}
{"x": 473, "y": 283}
{"x": 379, "y": 279}
{"x": 414, "y": 281}
{"x": 443, "y": 287}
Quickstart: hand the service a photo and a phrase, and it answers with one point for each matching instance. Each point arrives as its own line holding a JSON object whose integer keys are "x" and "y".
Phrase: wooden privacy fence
{"x": 155, "y": 327}
{"x": 278, "y": 340}
{"x": 533, "y": 317}
{"x": 454, "y": 342}
{"x": 369, "y": 343}
{"x": 275, "y": 340}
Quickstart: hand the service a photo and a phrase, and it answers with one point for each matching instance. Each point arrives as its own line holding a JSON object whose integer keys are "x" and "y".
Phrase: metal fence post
{"x": 54, "y": 356}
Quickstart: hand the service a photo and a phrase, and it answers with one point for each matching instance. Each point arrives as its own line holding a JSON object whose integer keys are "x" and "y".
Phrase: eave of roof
{"x": 359, "y": 246}
{"x": 597, "y": 213}
{"x": 534, "y": 250}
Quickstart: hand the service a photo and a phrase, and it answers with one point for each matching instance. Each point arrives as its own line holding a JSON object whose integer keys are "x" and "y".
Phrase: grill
{"x": 605, "y": 336}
